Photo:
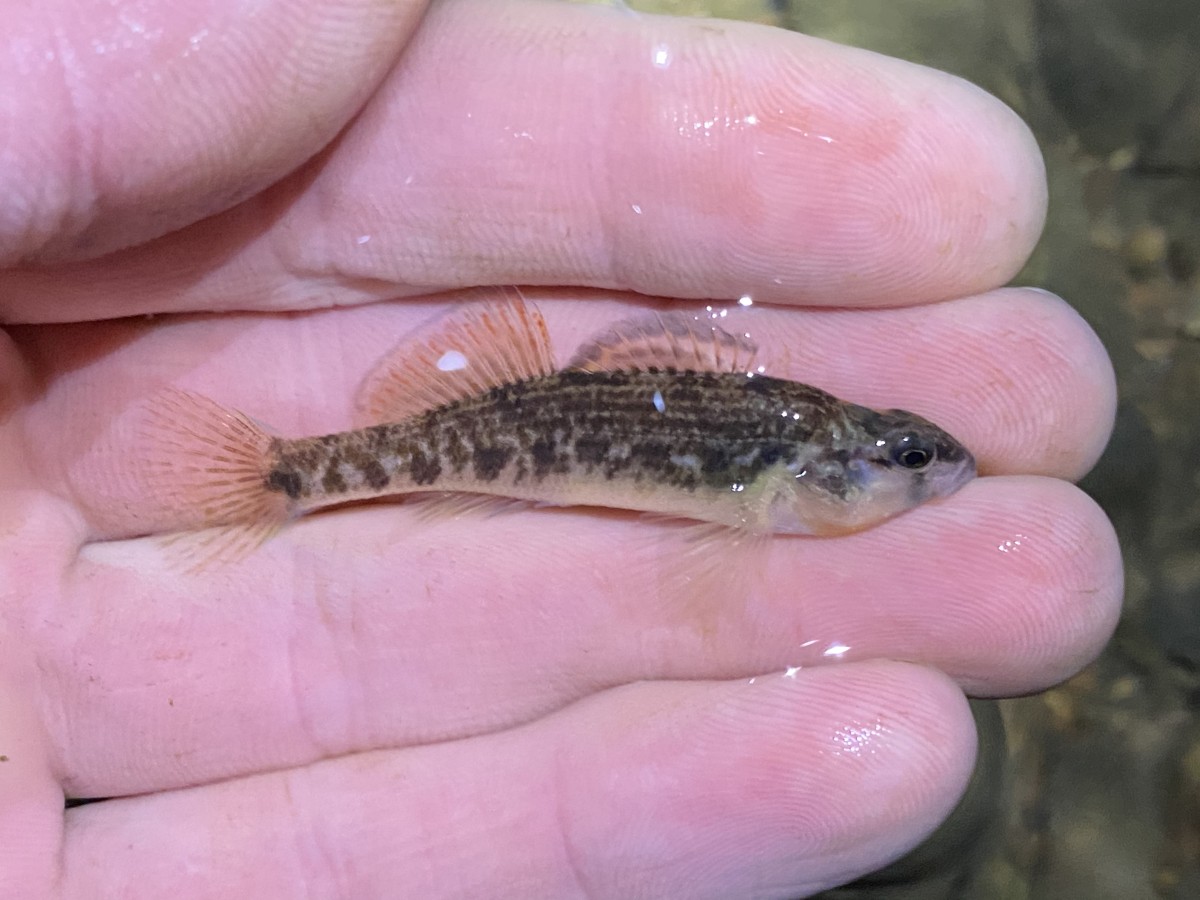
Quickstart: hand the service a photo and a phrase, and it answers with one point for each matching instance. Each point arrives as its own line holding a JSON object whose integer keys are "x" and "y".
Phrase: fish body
{"x": 735, "y": 448}
{"x": 666, "y": 414}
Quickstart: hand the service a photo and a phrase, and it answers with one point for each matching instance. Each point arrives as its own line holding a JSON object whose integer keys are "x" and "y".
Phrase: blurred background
{"x": 1095, "y": 793}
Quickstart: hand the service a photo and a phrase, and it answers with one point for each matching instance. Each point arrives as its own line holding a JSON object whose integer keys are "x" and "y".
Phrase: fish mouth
{"x": 954, "y": 476}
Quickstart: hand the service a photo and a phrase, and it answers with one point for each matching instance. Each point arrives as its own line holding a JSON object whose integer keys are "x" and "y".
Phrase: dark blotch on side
{"x": 714, "y": 459}
{"x": 285, "y": 481}
{"x": 489, "y": 462}
{"x": 424, "y": 469}
{"x": 545, "y": 455}
{"x": 374, "y": 474}
{"x": 456, "y": 451}
{"x": 332, "y": 481}
{"x": 771, "y": 454}
{"x": 591, "y": 450}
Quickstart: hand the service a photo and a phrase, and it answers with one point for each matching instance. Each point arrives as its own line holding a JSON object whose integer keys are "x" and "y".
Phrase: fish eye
{"x": 912, "y": 452}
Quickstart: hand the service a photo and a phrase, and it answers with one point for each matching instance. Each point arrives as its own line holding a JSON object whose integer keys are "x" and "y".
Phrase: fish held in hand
{"x": 666, "y": 414}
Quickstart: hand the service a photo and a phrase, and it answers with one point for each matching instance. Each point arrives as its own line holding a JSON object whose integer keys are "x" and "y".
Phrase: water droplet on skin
{"x": 836, "y": 650}
{"x": 857, "y": 739}
{"x": 451, "y": 361}
{"x": 362, "y": 239}
{"x": 637, "y": 209}
{"x": 659, "y": 403}
{"x": 1011, "y": 545}
{"x": 745, "y": 300}
{"x": 819, "y": 651}
{"x": 823, "y": 138}
{"x": 661, "y": 56}
{"x": 791, "y": 672}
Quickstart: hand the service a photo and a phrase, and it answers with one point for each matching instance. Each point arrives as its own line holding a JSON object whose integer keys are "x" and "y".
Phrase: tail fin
{"x": 208, "y": 467}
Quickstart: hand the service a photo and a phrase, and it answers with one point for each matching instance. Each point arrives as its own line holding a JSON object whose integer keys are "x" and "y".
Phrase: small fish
{"x": 666, "y": 414}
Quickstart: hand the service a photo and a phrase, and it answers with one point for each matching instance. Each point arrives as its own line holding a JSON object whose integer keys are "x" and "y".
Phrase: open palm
{"x": 375, "y": 704}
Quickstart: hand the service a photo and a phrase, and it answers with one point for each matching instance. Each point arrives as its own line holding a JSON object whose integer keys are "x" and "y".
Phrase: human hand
{"x": 373, "y": 705}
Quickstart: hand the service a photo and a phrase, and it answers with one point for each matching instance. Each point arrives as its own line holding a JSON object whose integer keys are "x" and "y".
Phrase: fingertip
{"x": 1048, "y": 582}
{"x": 1009, "y": 586}
{"x": 1016, "y": 374}
{"x": 1055, "y": 412}
{"x": 998, "y": 151}
{"x": 904, "y": 738}
{"x": 1074, "y": 558}
{"x": 853, "y": 178}
{"x": 904, "y": 734}
{"x": 805, "y": 778}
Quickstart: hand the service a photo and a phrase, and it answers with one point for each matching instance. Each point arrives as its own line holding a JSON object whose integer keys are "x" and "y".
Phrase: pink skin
{"x": 282, "y": 724}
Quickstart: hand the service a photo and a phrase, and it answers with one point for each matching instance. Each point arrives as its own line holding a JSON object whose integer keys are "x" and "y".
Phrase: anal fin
{"x": 439, "y": 505}
{"x": 192, "y": 552}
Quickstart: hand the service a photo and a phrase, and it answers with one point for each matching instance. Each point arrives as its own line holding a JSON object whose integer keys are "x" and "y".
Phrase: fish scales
{"x": 659, "y": 427}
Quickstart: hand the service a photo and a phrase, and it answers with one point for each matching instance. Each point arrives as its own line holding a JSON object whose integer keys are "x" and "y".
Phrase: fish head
{"x": 880, "y": 465}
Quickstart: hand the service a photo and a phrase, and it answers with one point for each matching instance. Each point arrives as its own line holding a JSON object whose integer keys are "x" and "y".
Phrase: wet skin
{"x": 371, "y": 704}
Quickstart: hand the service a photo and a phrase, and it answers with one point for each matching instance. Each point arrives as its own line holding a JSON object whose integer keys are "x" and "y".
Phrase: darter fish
{"x": 666, "y": 414}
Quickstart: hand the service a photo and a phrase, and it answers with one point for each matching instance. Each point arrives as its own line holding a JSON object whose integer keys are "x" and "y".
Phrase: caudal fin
{"x": 207, "y": 468}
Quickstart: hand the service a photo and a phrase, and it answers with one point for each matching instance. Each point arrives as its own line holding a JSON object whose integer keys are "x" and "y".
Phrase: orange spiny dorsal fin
{"x": 672, "y": 340}
{"x": 501, "y": 341}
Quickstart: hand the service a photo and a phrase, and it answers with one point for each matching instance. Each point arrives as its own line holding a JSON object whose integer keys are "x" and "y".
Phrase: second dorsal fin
{"x": 497, "y": 342}
{"x": 670, "y": 340}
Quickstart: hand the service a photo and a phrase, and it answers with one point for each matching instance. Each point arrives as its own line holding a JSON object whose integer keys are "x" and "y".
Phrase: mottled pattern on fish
{"x": 683, "y": 430}
{"x": 667, "y": 414}
{"x": 557, "y": 437}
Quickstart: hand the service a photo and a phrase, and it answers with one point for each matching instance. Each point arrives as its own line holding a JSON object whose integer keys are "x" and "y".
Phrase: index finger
{"x": 665, "y": 156}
